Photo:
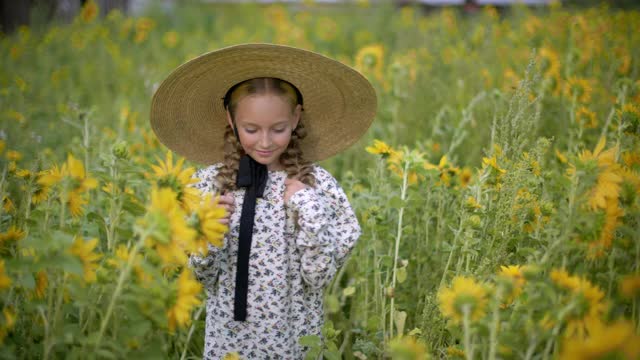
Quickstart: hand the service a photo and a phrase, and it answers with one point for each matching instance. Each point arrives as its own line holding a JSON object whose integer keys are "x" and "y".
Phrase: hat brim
{"x": 188, "y": 116}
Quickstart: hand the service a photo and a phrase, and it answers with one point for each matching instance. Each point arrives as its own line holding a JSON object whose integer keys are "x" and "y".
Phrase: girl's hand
{"x": 291, "y": 186}
{"x": 226, "y": 201}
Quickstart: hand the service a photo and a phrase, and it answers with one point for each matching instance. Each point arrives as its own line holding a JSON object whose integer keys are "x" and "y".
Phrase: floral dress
{"x": 295, "y": 252}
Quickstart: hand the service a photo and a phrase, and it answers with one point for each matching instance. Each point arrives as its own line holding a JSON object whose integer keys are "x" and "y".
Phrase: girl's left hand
{"x": 291, "y": 186}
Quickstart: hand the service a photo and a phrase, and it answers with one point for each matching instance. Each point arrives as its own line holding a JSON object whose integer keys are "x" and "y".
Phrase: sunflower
{"x": 586, "y": 118}
{"x": 170, "y": 235}
{"x": 188, "y": 289}
{"x": 370, "y": 60}
{"x": 42, "y": 282}
{"x": 515, "y": 277}
{"x": 630, "y": 116}
{"x": 464, "y": 295}
{"x": 408, "y": 348}
{"x": 630, "y": 286}
{"x": 5, "y": 281}
{"x": 380, "y": 148}
{"x": 608, "y": 180}
{"x": 613, "y": 341}
{"x": 210, "y": 230}
{"x": 465, "y": 177}
{"x": 74, "y": 178}
{"x": 11, "y": 235}
{"x": 9, "y": 317}
{"x": 590, "y": 307}
{"x": 174, "y": 177}
{"x": 578, "y": 88}
{"x": 84, "y": 250}
{"x": 587, "y": 302}
{"x": 89, "y": 11}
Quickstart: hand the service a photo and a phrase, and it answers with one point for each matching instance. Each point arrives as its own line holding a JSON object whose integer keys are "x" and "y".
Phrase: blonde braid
{"x": 293, "y": 161}
{"x": 232, "y": 153}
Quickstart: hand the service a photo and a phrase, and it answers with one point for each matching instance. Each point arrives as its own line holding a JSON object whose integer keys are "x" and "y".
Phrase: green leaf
{"x": 349, "y": 291}
{"x": 401, "y": 274}
{"x": 395, "y": 202}
{"x": 332, "y": 304}
{"x": 312, "y": 341}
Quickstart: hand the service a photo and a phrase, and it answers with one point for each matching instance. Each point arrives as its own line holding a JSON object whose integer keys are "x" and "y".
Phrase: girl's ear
{"x": 297, "y": 112}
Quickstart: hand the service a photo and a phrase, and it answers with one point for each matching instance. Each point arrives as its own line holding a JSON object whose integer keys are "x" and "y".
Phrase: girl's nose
{"x": 265, "y": 141}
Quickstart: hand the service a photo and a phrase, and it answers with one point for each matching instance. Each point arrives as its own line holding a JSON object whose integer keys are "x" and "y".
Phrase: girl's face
{"x": 265, "y": 123}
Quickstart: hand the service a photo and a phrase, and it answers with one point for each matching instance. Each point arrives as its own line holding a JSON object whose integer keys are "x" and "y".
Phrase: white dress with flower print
{"x": 295, "y": 251}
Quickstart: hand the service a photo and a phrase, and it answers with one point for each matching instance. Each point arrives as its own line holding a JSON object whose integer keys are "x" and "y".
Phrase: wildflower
{"x": 578, "y": 88}
{"x": 170, "y": 235}
{"x": 588, "y": 303}
{"x": 444, "y": 168}
{"x": 532, "y": 164}
{"x": 370, "y": 59}
{"x": 17, "y": 116}
{"x": 586, "y": 118}
{"x": 608, "y": 181}
{"x": 143, "y": 26}
{"x": 42, "y": 282}
{"x": 210, "y": 230}
{"x": 12, "y": 234}
{"x": 465, "y": 177}
{"x": 493, "y": 163}
{"x": 466, "y": 295}
{"x": 5, "y": 281}
{"x": 174, "y": 177}
{"x": 13, "y": 155}
{"x": 514, "y": 275}
{"x": 7, "y": 205}
{"x": 380, "y": 148}
{"x": 472, "y": 204}
{"x": 84, "y": 250}
{"x": 550, "y": 64}
{"x": 179, "y": 313}
{"x": 408, "y": 348}
{"x": 9, "y": 316}
{"x": 614, "y": 341}
{"x": 3, "y": 144}
{"x": 170, "y": 39}
{"x": 89, "y": 11}
{"x": 630, "y": 286}
{"x": 563, "y": 279}
{"x": 454, "y": 352}
{"x": 80, "y": 182}
{"x": 122, "y": 257}
{"x": 630, "y": 118}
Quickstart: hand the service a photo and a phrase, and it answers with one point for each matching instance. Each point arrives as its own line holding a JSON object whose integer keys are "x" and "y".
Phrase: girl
{"x": 290, "y": 224}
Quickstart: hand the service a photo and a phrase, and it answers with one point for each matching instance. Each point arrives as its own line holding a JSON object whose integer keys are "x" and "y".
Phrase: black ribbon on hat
{"x": 253, "y": 176}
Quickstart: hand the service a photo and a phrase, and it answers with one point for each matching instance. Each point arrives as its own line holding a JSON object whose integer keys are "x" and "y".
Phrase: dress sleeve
{"x": 206, "y": 268}
{"x": 328, "y": 229}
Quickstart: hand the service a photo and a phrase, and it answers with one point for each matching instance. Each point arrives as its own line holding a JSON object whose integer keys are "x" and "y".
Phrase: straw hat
{"x": 188, "y": 116}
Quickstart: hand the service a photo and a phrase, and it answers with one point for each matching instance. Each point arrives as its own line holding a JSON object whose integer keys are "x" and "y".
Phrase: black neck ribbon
{"x": 253, "y": 176}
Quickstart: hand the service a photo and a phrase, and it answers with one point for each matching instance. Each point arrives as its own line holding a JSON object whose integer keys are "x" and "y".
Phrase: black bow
{"x": 253, "y": 176}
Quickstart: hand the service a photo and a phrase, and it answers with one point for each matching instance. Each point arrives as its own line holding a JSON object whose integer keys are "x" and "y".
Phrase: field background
{"x": 497, "y": 188}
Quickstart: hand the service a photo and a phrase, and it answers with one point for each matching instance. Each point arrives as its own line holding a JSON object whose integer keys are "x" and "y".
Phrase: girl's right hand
{"x": 226, "y": 201}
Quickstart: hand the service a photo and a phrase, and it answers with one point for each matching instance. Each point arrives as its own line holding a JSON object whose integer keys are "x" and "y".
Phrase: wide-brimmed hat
{"x": 188, "y": 115}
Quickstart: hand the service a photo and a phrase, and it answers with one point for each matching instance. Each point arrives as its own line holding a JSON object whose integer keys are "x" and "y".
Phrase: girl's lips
{"x": 264, "y": 153}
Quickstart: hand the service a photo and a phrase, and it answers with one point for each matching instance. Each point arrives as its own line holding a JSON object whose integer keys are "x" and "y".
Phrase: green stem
{"x": 493, "y": 336}
{"x": 191, "y": 329}
{"x": 468, "y": 351}
{"x": 123, "y": 276}
{"x": 403, "y": 194}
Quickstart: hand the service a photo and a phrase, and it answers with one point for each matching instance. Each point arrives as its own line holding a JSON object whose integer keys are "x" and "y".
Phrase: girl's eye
{"x": 250, "y": 131}
{"x": 279, "y": 131}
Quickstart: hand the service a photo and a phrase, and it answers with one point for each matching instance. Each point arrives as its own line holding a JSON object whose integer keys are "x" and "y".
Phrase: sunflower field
{"x": 498, "y": 188}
